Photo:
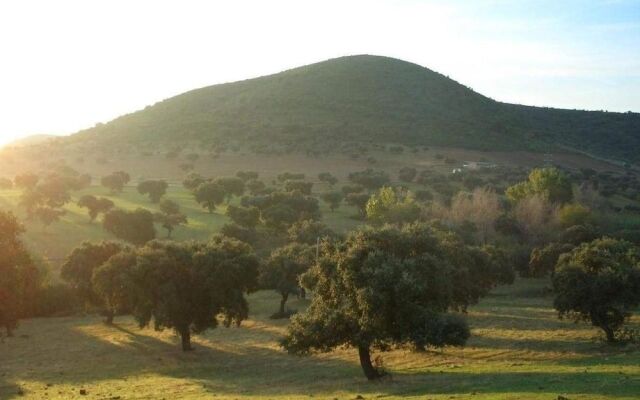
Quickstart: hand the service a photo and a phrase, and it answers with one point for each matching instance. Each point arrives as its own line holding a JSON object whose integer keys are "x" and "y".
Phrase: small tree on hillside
{"x": 333, "y": 199}
{"x": 154, "y": 189}
{"x": 247, "y": 175}
{"x": 326, "y": 177}
{"x": 392, "y": 205}
{"x": 247, "y": 217}
{"x": 192, "y": 181}
{"x": 356, "y": 301}
{"x": 359, "y": 201}
{"x": 48, "y": 215}
{"x": 115, "y": 182}
{"x": 169, "y": 216}
{"x": 113, "y": 284}
{"x": 26, "y": 181}
{"x": 18, "y": 275}
{"x": 544, "y": 259}
{"x": 599, "y": 282}
{"x": 282, "y": 270}
{"x": 95, "y": 205}
{"x": 308, "y": 232}
{"x": 550, "y": 183}
{"x": 135, "y": 227}
{"x": 79, "y": 266}
{"x": 407, "y": 174}
{"x": 184, "y": 286}
{"x": 209, "y": 195}
{"x": 301, "y": 186}
{"x": 231, "y": 187}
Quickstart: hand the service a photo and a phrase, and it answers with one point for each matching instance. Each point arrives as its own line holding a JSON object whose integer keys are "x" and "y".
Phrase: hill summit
{"x": 369, "y": 99}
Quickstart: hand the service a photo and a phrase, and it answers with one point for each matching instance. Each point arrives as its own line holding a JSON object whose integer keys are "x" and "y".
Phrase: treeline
{"x": 404, "y": 280}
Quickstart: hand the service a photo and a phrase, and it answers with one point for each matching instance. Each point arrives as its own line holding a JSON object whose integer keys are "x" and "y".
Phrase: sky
{"x": 67, "y": 65}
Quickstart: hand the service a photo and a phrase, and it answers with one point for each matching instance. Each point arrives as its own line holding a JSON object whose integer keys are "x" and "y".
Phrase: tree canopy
{"x": 599, "y": 282}
{"x": 135, "y": 226}
{"x": 185, "y": 286}
{"x": 381, "y": 288}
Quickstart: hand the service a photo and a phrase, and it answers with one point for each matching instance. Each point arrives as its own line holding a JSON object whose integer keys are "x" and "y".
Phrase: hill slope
{"x": 369, "y": 99}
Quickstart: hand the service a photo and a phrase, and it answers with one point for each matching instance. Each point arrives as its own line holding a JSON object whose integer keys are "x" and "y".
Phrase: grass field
{"x": 518, "y": 350}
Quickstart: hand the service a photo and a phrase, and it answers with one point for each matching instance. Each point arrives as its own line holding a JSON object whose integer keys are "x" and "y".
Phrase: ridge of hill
{"x": 368, "y": 99}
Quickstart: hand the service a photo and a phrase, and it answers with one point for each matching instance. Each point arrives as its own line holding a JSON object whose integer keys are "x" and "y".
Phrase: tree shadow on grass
{"x": 64, "y": 355}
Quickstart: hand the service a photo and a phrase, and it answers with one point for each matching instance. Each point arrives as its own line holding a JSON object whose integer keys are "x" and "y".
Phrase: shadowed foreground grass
{"x": 519, "y": 350}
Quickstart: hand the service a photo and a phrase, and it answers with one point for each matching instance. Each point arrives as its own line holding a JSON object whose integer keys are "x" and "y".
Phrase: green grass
{"x": 518, "y": 350}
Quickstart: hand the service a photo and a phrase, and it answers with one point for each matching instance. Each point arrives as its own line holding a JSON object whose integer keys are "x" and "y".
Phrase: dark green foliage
{"x": 231, "y": 187}
{"x": 282, "y": 270}
{"x": 192, "y": 181}
{"x": 419, "y": 107}
{"x": 209, "y": 195}
{"x": 247, "y": 175}
{"x": 112, "y": 282}
{"x": 543, "y": 260}
{"x": 289, "y": 176}
{"x": 301, "y": 186}
{"x": 135, "y": 227}
{"x": 326, "y": 177}
{"x": 348, "y": 189}
{"x": 80, "y": 265}
{"x": 95, "y": 205}
{"x": 184, "y": 286}
{"x": 358, "y": 200}
{"x": 369, "y": 178}
{"x": 383, "y": 288}
{"x": 407, "y": 174}
{"x": 309, "y": 232}
{"x": 243, "y": 234}
{"x": 424, "y": 195}
{"x": 579, "y": 234}
{"x": 279, "y": 210}
{"x": 333, "y": 199}
{"x": 599, "y": 282}
{"x": 154, "y": 189}
{"x": 169, "y": 216}
{"x": 115, "y": 182}
{"x": 247, "y": 217}
{"x": 255, "y": 187}
{"x": 19, "y": 277}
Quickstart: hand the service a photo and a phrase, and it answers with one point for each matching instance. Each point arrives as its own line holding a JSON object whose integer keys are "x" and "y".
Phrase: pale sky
{"x": 66, "y": 65}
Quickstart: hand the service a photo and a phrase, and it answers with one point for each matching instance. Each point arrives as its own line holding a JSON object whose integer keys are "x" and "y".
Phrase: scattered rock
{"x": 359, "y": 397}
{"x": 560, "y": 397}
{"x": 83, "y": 392}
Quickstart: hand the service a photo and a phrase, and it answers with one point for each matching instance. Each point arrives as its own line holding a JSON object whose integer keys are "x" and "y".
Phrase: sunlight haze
{"x": 67, "y": 65}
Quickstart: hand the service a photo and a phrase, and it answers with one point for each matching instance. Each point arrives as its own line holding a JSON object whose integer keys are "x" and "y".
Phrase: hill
{"x": 367, "y": 99}
{"x": 30, "y": 140}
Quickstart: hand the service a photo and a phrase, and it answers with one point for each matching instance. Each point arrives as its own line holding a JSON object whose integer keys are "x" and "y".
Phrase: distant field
{"x": 518, "y": 350}
{"x": 53, "y": 243}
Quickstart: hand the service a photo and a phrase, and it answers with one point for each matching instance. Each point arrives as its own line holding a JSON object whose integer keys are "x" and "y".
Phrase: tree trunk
{"x": 185, "y": 335}
{"x": 365, "y": 362}
{"x": 109, "y": 317}
{"x": 283, "y": 301}
{"x": 609, "y": 332}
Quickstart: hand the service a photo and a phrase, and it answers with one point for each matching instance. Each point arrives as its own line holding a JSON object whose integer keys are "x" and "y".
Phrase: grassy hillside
{"x": 518, "y": 350}
{"x": 366, "y": 99}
